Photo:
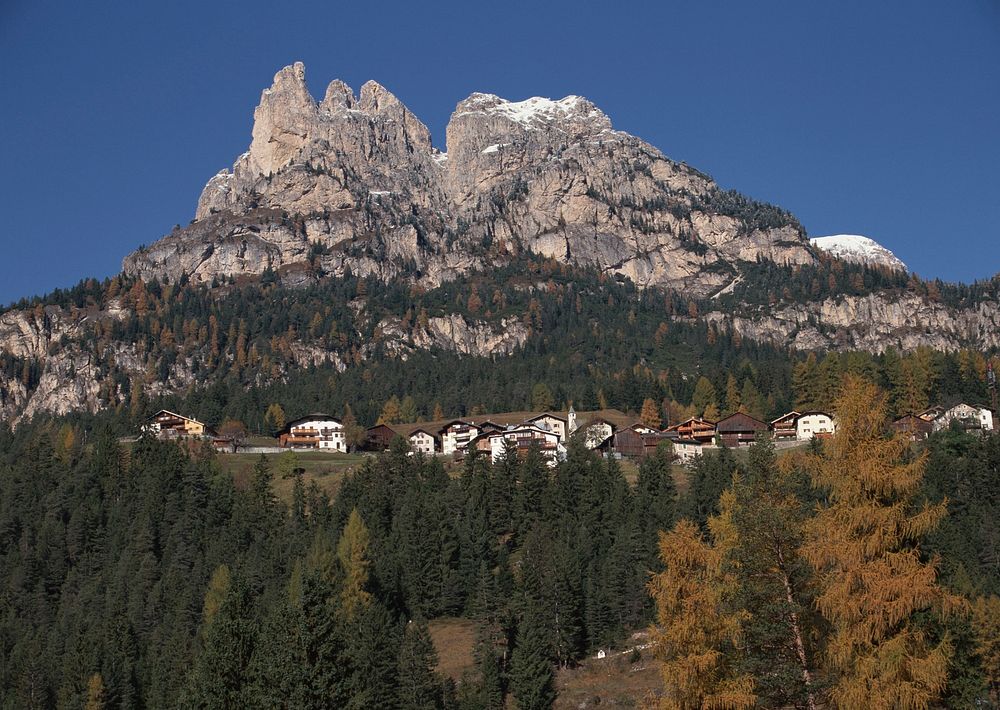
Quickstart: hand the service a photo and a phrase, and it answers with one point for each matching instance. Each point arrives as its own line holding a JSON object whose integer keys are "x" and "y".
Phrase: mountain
{"x": 541, "y": 241}
{"x": 858, "y": 249}
{"x": 354, "y": 183}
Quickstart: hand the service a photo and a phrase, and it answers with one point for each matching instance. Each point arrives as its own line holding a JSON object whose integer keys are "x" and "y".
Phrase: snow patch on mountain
{"x": 858, "y": 249}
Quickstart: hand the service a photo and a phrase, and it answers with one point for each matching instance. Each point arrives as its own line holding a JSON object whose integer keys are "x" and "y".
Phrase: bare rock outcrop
{"x": 872, "y": 323}
{"x": 353, "y": 182}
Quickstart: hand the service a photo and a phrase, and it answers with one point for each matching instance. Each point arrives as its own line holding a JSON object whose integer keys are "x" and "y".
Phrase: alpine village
{"x": 541, "y": 418}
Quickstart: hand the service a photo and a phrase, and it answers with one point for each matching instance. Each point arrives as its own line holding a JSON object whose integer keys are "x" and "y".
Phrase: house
{"x": 739, "y": 429}
{"x": 814, "y": 424}
{"x": 596, "y": 432}
{"x": 651, "y": 442}
{"x": 314, "y": 431}
{"x": 969, "y": 417}
{"x": 422, "y": 441}
{"x": 686, "y": 450}
{"x": 422, "y": 436}
{"x": 631, "y": 441}
{"x": 913, "y": 427}
{"x": 524, "y": 437}
{"x": 600, "y": 425}
{"x": 551, "y": 422}
{"x": 931, "y": 413}
{"x": 783, "y": 428}
{"x": 167, "y": 425}
{"x": 456, "y": 435}
{"x": 694, "y": 428}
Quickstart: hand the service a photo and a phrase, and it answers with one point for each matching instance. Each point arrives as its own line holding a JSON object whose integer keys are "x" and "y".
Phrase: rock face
{"x": 353, "y": 182}
{"x": 872, "y": 323}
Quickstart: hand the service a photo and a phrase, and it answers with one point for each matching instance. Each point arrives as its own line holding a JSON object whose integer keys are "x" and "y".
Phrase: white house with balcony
{"x": 812, "y": 424}
{"x": 523, "y": 437}
{"x": 456, "y": 435}
{"x": 314, "y": 431}
{"x": 969, "y": 417}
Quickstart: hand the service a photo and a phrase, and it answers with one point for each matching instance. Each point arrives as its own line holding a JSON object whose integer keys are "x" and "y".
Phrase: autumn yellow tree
{"x": 275, "y": 417}
{"x": 390, "y": 412}
{"x": 352, "y": 553}
{"x": 863, "y": 545}
{"x": 732, "y": 395}
{"x": 650, "y": 414}
{"x": 693, "y": 631}
{"x": 96, "y": 697}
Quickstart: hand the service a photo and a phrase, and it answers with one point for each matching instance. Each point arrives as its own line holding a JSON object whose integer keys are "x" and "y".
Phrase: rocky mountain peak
{"x": 338, "y": 96}
{"x": 282, "y": 121}
{"x": 858, "y": 249}
{"x": 357, "y": 176}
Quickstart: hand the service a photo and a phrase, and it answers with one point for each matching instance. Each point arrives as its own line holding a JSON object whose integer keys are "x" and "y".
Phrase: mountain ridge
{"x": 472, "y": 251}
{"x": 358, "y": 177}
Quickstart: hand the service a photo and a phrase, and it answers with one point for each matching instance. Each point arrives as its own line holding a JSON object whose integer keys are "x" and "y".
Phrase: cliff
{"x": 354, "y": 183}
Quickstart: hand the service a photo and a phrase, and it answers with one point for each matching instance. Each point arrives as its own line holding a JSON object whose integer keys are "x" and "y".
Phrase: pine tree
{"x": 419, "y": 686}
{"x": 220, "y": 675}
{"x": 532, "y": 680}
{"x": 218, "y": 587}
{"x": 490, "y": 690}
{"x": 986, "y": 624}
{"x": 761, "y": 519}
{"x": 541, "y": 398}
{"x": 872, "y": 581}
{"x": 694, "y": 635}
{"x": 655, "y": 501}
{"x": 275, "y": 417}
{"x": 354, "y": 434}
{"x": 704, "y": 397}
{"x": 733, "y": 401}
{"x": 805, "y": 383}
{"x": 408, "y": 410}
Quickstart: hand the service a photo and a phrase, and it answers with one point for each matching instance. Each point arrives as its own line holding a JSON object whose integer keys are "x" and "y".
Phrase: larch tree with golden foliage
{"x": 352, "y": 553}
{"x": 694, "y": 635}
{"x": 650, "y": 414}
{"x": 864, "y": 546}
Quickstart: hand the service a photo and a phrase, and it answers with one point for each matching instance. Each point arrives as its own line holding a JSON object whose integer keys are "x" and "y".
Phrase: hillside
{"x": 343, "y": 241}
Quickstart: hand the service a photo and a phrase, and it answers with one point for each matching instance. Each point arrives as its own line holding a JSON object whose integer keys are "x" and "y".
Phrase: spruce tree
{"x": 532, "y": 681}
{"x": 419, "y": 686}
{"x": 761, "y": 522}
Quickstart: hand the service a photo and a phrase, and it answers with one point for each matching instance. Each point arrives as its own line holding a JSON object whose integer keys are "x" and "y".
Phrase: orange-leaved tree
{"x": 693, "y": 632}
{"x": 864, "y": 545}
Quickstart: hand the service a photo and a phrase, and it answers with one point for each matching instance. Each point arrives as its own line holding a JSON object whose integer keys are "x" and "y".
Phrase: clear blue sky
{"x": 877, "y": 118}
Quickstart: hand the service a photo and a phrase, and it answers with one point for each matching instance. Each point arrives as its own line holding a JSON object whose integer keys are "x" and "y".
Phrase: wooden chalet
{"x": 783, "y": 428}
{"x": 631, "y": 441}
{"x": 697, "y": 428}
{"x": 739, "y": 429}
{"x": 167, "y": 425}
{"x": 913, "y": 427}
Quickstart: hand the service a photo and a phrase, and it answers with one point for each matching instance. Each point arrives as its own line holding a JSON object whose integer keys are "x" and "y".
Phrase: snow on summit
{"x": 859, "y": 249}
{"x": 536, "y": 111}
